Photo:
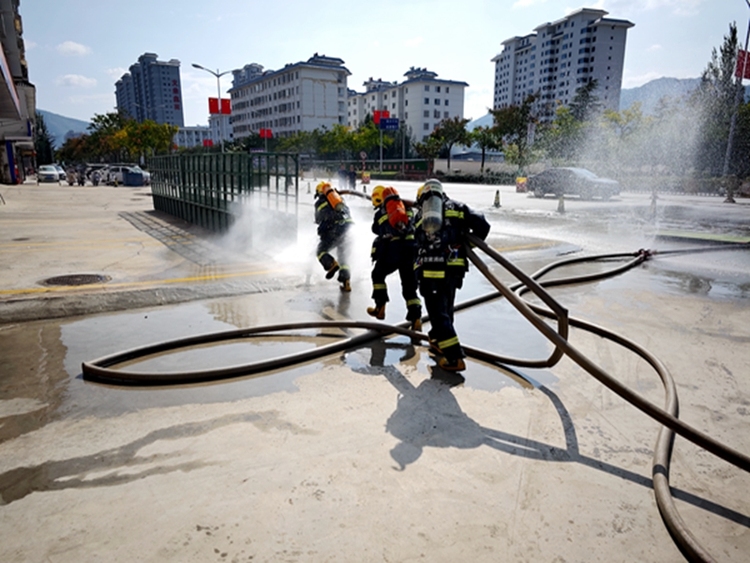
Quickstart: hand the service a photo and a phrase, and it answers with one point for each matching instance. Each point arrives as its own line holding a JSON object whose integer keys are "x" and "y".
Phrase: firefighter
{"x": 393, "y": 249}
{"x": 333, "y": 220}
{"x": 441, "y": 226}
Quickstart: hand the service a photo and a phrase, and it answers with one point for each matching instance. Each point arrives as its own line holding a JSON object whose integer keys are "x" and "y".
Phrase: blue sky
{"x": 77, "y": 49}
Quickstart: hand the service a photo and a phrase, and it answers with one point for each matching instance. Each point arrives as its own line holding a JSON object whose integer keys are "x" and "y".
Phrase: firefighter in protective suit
{"x": 333, "y": 220}
{"x": 392, "y": 250}
{"x": 441, "y": 226}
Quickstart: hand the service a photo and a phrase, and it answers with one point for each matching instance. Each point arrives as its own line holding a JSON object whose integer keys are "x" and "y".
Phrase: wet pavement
{"x": 368, "y": 454}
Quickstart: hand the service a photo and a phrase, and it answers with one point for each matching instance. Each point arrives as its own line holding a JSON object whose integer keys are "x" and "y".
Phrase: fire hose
{"x": 102, "y": 370}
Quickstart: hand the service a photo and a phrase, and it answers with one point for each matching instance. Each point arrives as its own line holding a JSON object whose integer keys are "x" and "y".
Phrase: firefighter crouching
{"x": 333, "y": 220}
{"x": 441, "y": 226}
{"x": 392, "y": 250}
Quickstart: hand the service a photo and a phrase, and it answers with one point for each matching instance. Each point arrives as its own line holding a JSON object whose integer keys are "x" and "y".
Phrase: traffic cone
{"x": 497, "y": 198}
{"x": 561, "y": 204}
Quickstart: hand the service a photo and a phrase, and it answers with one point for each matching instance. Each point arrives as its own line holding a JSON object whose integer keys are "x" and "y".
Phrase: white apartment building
{"x": 420, "y": 102}
{"x": 560, "y": 57}
{"x": 220, "y": 125}
{"x": 192, "y": 136}
{"x": 300, "y": 97}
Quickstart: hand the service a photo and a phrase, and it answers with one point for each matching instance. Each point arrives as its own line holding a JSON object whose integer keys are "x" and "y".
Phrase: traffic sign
{"x": 389, "y": 123}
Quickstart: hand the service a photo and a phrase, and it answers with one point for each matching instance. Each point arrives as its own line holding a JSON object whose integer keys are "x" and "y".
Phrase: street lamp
{"x": 218, "y": 76}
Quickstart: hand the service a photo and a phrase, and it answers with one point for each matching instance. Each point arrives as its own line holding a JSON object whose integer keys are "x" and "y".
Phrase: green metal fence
{"x": 209, "y": 189}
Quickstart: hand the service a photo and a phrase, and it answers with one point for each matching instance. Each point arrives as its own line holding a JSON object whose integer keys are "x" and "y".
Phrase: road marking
{"x": 64, "y": 288}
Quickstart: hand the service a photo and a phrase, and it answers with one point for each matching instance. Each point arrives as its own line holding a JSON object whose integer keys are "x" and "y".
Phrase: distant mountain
{"x": 651, "y": 92}
{"x": 59, "y": 126}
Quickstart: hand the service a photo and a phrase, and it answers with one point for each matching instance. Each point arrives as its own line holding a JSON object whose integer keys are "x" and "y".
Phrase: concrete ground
{"x": 362, "y": 455}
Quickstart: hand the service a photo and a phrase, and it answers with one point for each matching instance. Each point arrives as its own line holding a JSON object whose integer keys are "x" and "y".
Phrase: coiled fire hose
{"x": 101, "y": 369}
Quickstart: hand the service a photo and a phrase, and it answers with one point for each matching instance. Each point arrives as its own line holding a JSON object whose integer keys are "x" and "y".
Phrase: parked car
{"x": 572, "y": 181}
{"x": 127, "y": 175}
{"x": 60, "y": 172}
{"x": 47, "y": 173}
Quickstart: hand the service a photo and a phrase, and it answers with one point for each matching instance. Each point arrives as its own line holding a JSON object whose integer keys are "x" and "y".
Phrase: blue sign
{"x": 389, "y": 123}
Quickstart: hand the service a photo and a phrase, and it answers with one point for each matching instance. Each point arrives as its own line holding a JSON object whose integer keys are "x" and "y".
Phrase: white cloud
{"x": 677, "y": 7}
{"x": 655, "y": 47}
{"x": 519, "y": 4}
{"x": 30, "y": 45}
{"x": 414, "y": 42}
{"x": 73, "y": 48}
{"x": 116, "y": 72}
{"x": 76, "y": 81}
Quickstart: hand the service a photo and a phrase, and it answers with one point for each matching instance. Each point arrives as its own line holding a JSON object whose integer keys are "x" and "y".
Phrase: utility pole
{"x": 218, "y": 76}
{"x": 738, "y": 100}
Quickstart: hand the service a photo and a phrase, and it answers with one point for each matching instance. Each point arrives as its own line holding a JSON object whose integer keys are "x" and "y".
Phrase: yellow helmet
{"x": 321, "y": 187}
{"x": 377, "y": 195}
{"x": 431, "y": 186}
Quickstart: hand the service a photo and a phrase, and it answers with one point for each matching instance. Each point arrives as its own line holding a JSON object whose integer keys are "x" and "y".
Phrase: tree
{"x": 513, "y": 124}
{"x": 104, "y": 141}
{"x": 429, "y": 150}
{"x": 486, "y": 139}
{"x": 74, "y": 149}
{"x": 451, "y": 131}
{"x": 585, "y": 105}
{"x": 367, "y": 137}
{"x": 42, "y": 141}
{"x": 714, "y": 100}
{"x": 562, "y": 138}
{"x": 336, "y": 141}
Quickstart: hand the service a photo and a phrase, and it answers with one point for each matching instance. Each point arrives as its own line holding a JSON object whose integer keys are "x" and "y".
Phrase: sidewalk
{"x": 74, "y": 250}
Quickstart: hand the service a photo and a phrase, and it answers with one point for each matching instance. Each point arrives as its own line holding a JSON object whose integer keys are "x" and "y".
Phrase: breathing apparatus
{"x": 430, "y": 199}
{"x": 394, "y": 206}
{"x": 333, "y": 197}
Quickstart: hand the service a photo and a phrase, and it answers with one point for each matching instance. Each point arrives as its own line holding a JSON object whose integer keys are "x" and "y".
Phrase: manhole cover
{"x": 77, "y": 279}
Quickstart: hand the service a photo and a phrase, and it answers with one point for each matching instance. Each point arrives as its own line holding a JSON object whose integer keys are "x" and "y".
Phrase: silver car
{"x": 572, "y": 181}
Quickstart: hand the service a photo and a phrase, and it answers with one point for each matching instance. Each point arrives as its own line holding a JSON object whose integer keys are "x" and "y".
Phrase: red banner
{"x": 265, "y": 134}
{"x": 743, "y": 64}
{"x": 213, "y": 106}
{"x": 208, "y": 143}
{"x": 379, "y": 114}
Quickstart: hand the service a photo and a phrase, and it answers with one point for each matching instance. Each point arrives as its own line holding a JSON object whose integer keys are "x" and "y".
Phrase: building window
{"x": 446, "y": 102}
{"x": 426, "y": 88}
{"x": 437, "y": 101}
{"x": 427, "y": 101}
{"x": 406, "y": 102}
{"x": 437, "y": 88}
{"x": 447, "y": 90}
{"x": 426, "y": 126}
{"x": 446, "y": 115}
{"x": 436, "y": 114}
{"x": 427, "y": 113}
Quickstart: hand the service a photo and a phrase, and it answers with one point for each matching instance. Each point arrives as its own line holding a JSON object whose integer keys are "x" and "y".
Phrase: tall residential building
{"x": 420, "y": 102}
{"x": 17, "y": 98}
{"x": 302, "y": 96}
{"x": 151, "y": 90}
{"x": 560, "y": 57}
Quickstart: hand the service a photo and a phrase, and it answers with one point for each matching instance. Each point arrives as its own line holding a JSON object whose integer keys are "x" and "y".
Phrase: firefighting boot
{"x": 378, "y": 311}
{"x": 456, "y": 364}
{"x": 346, "y": 286}
{"x": 416, "y": 325}
{"x": 332, "y": 270}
